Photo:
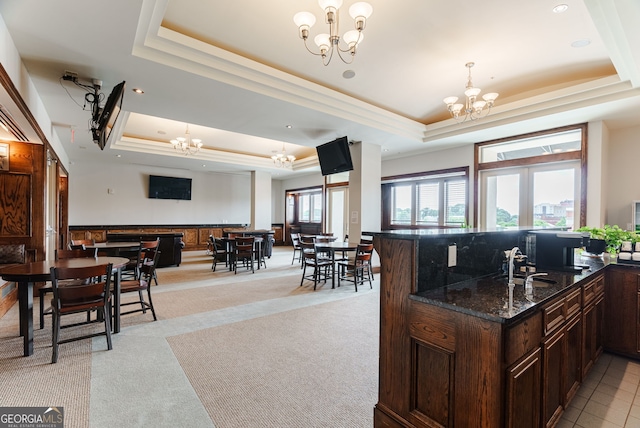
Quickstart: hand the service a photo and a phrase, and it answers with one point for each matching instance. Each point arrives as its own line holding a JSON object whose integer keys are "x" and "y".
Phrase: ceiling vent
{"x": 10, "y": 126}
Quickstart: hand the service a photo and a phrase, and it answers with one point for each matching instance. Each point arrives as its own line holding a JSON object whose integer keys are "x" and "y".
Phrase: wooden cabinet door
{"x": 553, "y": 349}
{"x": 522, "y": 409}
{"x": 573, "y": 361}
{"x": 589, "y": 338}
{"x": 621, "y": 311}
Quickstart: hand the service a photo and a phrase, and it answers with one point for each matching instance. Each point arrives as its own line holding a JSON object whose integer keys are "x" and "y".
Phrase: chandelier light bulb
{"x": 330, "y": 4}
{"x": 333, "y": 42}
{"x": 353, "y": 38}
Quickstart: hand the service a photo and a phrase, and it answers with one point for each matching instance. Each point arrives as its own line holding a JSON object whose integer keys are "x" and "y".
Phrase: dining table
{"x": 26, "y": 274}
{"x": 113, "y": 248}
{"x": 331, "y": 248}
{"x": 230, "y": 243}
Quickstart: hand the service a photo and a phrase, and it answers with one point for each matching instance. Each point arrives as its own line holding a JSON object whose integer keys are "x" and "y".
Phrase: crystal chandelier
{"x": 473, "y": 108}
{"x": 283, "y": 160}
{"x": 186, "y": 144}
{"x": 328, "y": 43}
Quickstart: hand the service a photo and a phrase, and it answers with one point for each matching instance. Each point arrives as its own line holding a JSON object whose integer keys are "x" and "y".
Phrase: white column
{"x": 260, "y": 200}
{"x": 365, "y": 194}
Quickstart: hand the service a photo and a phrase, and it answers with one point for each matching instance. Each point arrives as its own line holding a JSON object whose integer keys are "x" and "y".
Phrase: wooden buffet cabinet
{"x": 442, "y": 365}
{"x": 195, "y": 237}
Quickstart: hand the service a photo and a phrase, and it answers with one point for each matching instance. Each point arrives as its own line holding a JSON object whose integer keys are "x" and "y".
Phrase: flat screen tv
{"x": 108, "y": 115}
{"x": 169, "y": 188}
{"x": 334, "y": 156}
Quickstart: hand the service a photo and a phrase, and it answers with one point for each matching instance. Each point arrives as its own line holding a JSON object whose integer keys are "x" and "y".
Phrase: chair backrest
{"x": 244, "y": 244}
{"x": 150, "y": 244}
{"x": 12, "y": 253}
{"x": 75, "y": 254}
{"x": 82, "y": 242}
{"x": 307, "y": 238}
{"x": 86, "y": 291}
{"x": 219, "y": 245}
{"x": 365, "y": 248}
{"x": 149, "y": 261}
{"x": 308, "y": 250}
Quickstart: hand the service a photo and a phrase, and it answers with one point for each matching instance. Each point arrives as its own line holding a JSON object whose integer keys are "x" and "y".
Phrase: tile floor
{"x": 608, "y": 397}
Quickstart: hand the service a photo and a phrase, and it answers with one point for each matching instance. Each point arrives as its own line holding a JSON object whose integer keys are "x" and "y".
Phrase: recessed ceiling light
{"x": 581, "y": 43}
{"x": 560, "y": 8}
{"x": 288, "y": 126}
{"x": 348, "y": 74}
{"x": 138, "y": 91}
{"x": 118, "y": 156}
{"x": 204, "y": 166}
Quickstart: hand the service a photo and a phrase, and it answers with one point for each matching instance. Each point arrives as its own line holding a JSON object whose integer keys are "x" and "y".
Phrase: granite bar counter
{"x": 487, "y": 296}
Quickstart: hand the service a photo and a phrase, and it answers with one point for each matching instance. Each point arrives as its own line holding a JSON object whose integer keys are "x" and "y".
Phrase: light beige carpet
{"x": 313, "y": 367}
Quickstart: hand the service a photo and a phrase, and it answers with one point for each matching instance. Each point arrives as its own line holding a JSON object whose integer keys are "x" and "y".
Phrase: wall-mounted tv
{"x": 169, "y": 188}
{"x": 106, "y": 119}
{"x": 334, "y": 156}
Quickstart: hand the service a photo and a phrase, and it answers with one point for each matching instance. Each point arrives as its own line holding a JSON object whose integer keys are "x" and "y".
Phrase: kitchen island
{"x": 453, "y": 354}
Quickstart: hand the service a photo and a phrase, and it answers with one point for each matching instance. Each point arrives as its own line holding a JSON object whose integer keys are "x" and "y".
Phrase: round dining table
{"x": 26, "y": 274}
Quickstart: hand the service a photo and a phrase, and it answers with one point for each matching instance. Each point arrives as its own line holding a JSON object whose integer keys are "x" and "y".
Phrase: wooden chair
{"x": 219, "y": 253}
{"x": 322, "y": 267}
{"x": 86, "y": 296}
{"x": 244, "y": 252}
{"x": 297, "y": 249}
{"x": 147, "y": 245}
{"x": 149, "y": 261}
{"x": 354, "y": 269}
{"x": 60, "y": 255}
{"x": 78, "y": 244}
{"x": 261, "y": 249}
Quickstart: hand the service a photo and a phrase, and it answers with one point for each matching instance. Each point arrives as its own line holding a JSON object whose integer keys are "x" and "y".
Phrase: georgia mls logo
{"x": 31, "y": 417}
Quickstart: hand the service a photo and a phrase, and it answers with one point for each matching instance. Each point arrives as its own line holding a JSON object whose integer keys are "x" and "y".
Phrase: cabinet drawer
{"x": 573, "y": 302}
{"x": 554, "y": 315}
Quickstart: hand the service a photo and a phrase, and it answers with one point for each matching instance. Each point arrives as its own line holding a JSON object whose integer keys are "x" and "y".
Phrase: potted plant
{"x": 613, "y": 236}
{"x": 597, "y": 242}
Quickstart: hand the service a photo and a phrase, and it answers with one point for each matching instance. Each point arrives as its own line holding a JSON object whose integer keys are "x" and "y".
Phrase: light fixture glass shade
{"x": 456, "y": 109}
{"x": 490, "y": 97}
{"x": 353, "y": 37}
{"x": 304, "y": 18}
{"x": 324, "y": 4}
{"x": 479, "y": 105}
{"x": 362, "y": 9}
{"x": 450, "y": 100}
{"x": 323, "y": 41}
{"x": 472, "y": 92}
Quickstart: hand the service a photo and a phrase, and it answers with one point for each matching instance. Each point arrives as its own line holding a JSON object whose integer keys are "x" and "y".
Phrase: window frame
{"x": 541, "y": 160}
{"x": 442, "y": 177}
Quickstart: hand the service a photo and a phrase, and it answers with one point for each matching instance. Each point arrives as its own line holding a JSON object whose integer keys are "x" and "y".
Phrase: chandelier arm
{"x": 324, "y": 57}
{"x": 309, "y": 50}
{"x": 344, "y": 60}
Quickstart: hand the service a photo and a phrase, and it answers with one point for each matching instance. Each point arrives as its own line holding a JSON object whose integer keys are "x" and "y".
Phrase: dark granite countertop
{"x": 487, "y": 297}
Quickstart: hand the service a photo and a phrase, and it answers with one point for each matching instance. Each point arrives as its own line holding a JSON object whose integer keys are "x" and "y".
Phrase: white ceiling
{"x": 238, "y": 74}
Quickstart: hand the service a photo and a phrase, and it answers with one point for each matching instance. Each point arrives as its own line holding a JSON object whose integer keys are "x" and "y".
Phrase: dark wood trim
{"x": 13, "y": 92}
{"x": 536, "y": 160}
{"x": 427, "y": 174}
{"x": 385, "y": 216}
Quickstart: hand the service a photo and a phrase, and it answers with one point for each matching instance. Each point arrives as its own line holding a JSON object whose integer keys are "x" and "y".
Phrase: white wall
{"x": 215, "y": 198}
{"x": 622, "y": 175}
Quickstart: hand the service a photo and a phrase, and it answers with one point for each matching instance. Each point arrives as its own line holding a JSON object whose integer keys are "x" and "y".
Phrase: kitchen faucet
{"x": 512, "y": 255}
